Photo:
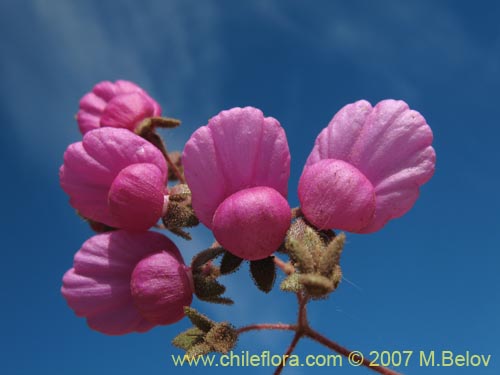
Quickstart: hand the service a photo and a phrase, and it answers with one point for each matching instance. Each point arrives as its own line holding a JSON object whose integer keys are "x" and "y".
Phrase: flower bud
{"x": 136, "y": 196}
{"x": 161, "y": 287}
{"x": 252, "y": 223}
{"x": 116, "y": 178}
{"x": 366, "y": 167}
{"x": 237, "y": 168}
{"x": 124, "y": 282}
{"x": 334, "y": 194}
{"x": 121, "y": 104}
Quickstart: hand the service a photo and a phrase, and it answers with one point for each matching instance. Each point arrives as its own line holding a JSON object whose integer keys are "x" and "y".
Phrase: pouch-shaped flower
{"x": 237, "y": 168}
{"x": 121, "y": 104}
{"x": 116, "y": 178}
{"x": 124, "y": 282}
{"x": 366, "y": 167}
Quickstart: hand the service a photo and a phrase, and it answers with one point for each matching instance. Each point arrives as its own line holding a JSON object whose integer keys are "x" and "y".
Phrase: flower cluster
{"x": 128, "y": 279}
{"x": 366, "y": 168}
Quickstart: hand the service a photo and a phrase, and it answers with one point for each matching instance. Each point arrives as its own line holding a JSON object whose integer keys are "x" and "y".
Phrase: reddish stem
{"x": 271, "y": 326}
{"x": 172, "y": 166}
{"x": 289, "y": 351}
{"x": 302, "y": 328}
{"x": 309, "y": 332}
{"x": 286, "y": 267}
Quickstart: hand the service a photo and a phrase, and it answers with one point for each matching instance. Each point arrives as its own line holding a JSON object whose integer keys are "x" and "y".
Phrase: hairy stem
{"x": 289, "y": 351}
{"x": 286, "y": 267}
{"x": 316, "y": 336}
{"x": 172, "y": 166}
{"x": 270, "y": 326}
{"x": 303, "y": 329}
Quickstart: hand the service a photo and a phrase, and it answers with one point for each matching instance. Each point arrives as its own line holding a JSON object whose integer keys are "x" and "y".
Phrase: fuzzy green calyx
{"x": 222, "y": 337}
{"x": 180, "y": 213}
{"x": 206, "y": 336}
{"x": 315, "y": 255}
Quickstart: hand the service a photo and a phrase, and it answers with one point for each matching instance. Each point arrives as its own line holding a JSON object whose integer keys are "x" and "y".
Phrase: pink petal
{"x": 118, "y": 252}
{"x": 98, "y": 287}
{"x": 390, "y": 144}
{"x": 88, "y": 296}
{"x": 334, "y": 194}
{"x": 252, "y": 223}
{"x": 338, "y": 138}
{"x": 204, "y": 177}
{"x": 238, "y": 149}
{"x": 91, "y": 166}
{"x": 125, "y": 87}
{"x": 397, "y": 194}
{"x": 110, "y": 104}
{"x": 107, "y": 90}
{"x": 120, "y": 322}
{"x": 127, "y": 111}
{"x": 92, "y": 104}
{"x": 87, "y": 121}
{"x": 161, "y": 288}
{"x": 136, "y": 196}
{"x": 87, "y": 182}
{"x": 78, "y": 161}
{"x": 100, "y": 298}
{"x": 116, "y": 149}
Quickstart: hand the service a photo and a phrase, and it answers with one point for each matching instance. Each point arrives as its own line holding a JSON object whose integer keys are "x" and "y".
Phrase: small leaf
{"x": 316, "y": 285}
{"x": 263, "y": 273}
{"x": 198, "y": 319}
{"x": 181, "y": 233}
{"x": 331, "y": 256}
{"x": 336, "y": 276}
{"x": 175, "y": 159}
{"x": 179, "y": 193}
{"x": 198, "y": 350}
{"x": 179, "y": 215}
{"x": 326, "y": 235}
{"x": 149, "y": 124}
{"x": 229, "y": 263}
{"x": 206, "y": 288}
{"x": 304, "y": 246}
{"x": 221, "y": 300}
{"x": 185, "y": 340}
{"x": 164, "y": 122}
{"x": 300, "y": 256}
{"x": 222, "y": 337}
{"x": 203, "y": 257}
{"x": 313, "y": 243}
{"x": 151, "y": 136}
{"x": 291, "y": 283}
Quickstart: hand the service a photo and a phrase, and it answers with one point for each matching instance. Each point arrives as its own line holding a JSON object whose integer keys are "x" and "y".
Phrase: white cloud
{"x": 401, "y": 41}
{"x": 73, "y": 45}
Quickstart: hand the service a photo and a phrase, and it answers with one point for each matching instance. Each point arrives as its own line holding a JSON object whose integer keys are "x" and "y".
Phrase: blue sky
{"x": 427, "y": 281}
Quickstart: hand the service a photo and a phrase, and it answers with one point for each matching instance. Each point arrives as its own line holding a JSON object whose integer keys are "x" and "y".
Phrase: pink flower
{"x": 366, "y": 167}
{"x": 126, "y": 282}
{"x": 237, "y": 168}
{"x": 122, "y": 104}
{"x": 116, "y": 178}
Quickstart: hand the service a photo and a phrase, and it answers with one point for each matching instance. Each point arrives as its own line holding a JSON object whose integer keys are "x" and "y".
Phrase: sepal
{"x": 291, "y": 283}
{"x": 229, "y": 263}
{"x": 263, "y": 273}
{"x": 189, "y": 338}
{"x": 206, "y": 336}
